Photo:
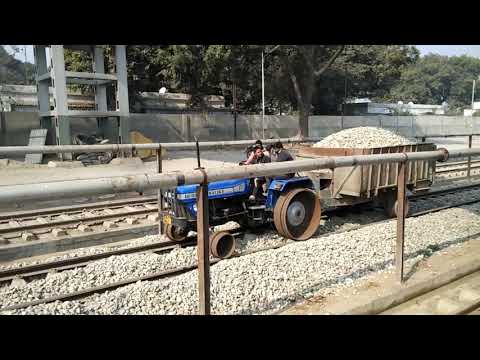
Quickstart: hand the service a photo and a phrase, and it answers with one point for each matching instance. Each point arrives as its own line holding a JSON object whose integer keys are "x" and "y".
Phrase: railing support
{"x": 469, "y": 158}
{"x": 159, "y": 193}
{"x": 203, "y": 249}
{"x": 401, "y": 200}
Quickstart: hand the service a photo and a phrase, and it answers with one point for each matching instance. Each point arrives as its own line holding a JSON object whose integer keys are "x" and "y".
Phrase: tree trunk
{"x": 303, "y": 122}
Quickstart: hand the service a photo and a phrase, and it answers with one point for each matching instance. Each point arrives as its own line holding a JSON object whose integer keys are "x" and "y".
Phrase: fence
{"x": 16, "y": 126}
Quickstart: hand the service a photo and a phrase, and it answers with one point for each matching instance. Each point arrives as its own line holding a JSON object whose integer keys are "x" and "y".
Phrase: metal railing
{"x": 204, "y": 176}
{"x": 59, "y": 149}
{"x": 470, "y": 137}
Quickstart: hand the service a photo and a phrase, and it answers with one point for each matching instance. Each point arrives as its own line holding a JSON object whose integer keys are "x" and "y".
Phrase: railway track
{"x": 61, "y": 222}
{"x": 103, "y": 218}
{"x": 43, "y": 269}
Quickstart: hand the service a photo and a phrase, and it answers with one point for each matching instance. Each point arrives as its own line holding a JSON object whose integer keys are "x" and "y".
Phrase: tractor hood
{"x": 216, "y": 190}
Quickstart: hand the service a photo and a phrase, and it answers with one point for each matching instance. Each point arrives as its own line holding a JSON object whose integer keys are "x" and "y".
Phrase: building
{"x": 367, "y": 107}
{"x": 154, "y": 102}
{"x": 23, "y": 98}
{"x": 474, "y": 110}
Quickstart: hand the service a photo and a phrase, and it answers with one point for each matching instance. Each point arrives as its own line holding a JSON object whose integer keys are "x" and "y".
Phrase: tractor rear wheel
{"x": 176, "y": 234}
{"x": 297, "y": 214}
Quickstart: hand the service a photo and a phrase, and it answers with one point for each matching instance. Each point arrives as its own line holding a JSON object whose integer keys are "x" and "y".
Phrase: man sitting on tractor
{"x": 279, "y": 154}
{"x": 258, "y": 157}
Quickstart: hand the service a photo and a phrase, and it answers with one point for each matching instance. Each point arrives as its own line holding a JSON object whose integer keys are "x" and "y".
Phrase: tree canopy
{"x": 303, "y": 79}
{"x": 435, "y": 79}
{"x": 13, "y": 71}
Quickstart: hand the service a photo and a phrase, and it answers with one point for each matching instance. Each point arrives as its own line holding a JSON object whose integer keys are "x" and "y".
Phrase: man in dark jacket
{"x": 279, "y": 154}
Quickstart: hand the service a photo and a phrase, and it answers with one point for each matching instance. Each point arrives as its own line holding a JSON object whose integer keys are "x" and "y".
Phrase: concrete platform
{"x": 378, "y": 292}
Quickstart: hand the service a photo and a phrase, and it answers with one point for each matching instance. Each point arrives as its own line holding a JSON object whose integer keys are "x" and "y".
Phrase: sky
{"x": 449, "y": 50}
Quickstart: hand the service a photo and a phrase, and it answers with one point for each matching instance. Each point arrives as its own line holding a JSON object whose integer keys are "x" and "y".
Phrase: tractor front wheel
{"x": 176, "y": 234}
{"x": 297, "y": 214}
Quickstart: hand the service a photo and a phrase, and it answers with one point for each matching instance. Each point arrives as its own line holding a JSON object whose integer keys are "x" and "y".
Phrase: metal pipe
{"x": 401, "y": 200}
{"x": 160, "y": 194}
{"x": 19, "y": 150}
{"x": 263, "y": 98}
{"x": 140, "y": 183}
{"x": 469, "y": 158}
{"x": 203, "y": 252}
{"x": 443, "y": 136}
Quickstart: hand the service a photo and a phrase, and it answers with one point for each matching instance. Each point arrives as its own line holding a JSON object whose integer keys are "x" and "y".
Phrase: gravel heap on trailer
{"x": 363, "y": 138}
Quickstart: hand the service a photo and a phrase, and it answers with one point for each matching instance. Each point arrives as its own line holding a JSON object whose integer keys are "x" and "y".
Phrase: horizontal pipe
{"x": 444, "y": 135}
{"x": 58, "y": 149}
{"x": 140, "y": 183}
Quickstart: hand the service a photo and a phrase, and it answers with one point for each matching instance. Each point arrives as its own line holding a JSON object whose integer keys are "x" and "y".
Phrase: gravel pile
{"x": 363, "y": 138}
{"x": 269, "y": 280}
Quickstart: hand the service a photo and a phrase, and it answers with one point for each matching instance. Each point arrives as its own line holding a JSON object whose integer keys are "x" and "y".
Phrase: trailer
{"x": 369, "y": 183}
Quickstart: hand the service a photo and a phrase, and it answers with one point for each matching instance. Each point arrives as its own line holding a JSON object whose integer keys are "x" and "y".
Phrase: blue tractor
{"x": 292, "y": 205}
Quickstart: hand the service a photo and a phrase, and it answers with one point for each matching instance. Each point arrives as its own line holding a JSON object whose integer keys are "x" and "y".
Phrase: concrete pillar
{"x": 59, "y": 82}
{"x": 122, "y": 83}
{"x": 42, "y": 86}
{"x": 62, "y": 133}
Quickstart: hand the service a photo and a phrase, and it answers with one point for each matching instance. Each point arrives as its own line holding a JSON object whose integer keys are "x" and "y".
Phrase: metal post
{"x": 160, "y": 194}
{"x": 473, "y": 93}
{"x": 189, "y": 129}
{"x": 263, "y": 98}
{"x": 203, "y": 250}
{"x": 469, "y": 158}
{"x": 234, "y": 90}
{"x": 401, "y": 199}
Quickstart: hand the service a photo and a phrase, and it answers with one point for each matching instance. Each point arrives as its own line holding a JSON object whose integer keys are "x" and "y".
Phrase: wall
{"x": 15, "y": 127}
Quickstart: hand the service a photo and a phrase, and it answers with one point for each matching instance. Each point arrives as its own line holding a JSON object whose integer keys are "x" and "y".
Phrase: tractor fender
{"x": 278, "y": 187}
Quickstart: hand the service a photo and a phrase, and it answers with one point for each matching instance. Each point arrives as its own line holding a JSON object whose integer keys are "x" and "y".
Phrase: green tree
{"x": 435, "y": 79}
{"x": 13, "y": 71}
{"x": 305, "y": 64}
{"x": 362, "y": 71}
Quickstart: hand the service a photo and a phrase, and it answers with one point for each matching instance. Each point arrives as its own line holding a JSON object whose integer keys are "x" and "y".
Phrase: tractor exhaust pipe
{"x": 222, "y": 244}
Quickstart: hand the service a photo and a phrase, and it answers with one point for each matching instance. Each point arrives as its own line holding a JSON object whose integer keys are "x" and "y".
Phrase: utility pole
{"x": 25, "y": 64}
{"x": 234, "y": 91}
{"x": 263, "y": 97}
{"x": 473, "y": 93}
{"x": 263, "y": 87}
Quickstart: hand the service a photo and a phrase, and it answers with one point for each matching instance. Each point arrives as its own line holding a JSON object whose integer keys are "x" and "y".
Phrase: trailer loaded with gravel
{"x": 366, "y": 183}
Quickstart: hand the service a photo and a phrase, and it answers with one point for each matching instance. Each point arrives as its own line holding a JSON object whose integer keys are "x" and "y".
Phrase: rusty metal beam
{"x": 401, "y": 202}
{"x": 159, "y": 193}
{"x": 19, "y": 150}
{"x": 141, "y": 182}
{"x": 203, "y": 251}
{"x": 469, "y": 158}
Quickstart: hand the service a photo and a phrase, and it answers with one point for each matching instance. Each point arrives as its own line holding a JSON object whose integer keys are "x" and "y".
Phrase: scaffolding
{"x": 57, "y": 118}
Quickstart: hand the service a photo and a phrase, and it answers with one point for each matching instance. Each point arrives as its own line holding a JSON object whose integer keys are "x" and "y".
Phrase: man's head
{"x": 258, "y": 151}
{"x": 277, "y": 147}
{"x": 259, "y": 143}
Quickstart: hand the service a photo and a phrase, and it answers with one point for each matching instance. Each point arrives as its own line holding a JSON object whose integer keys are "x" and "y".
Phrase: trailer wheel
{"x": 297, "y": 214}
{"x": 176, "y": 234}
{"x": 395, "y": 207}
{"x": 390, "y": 204}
